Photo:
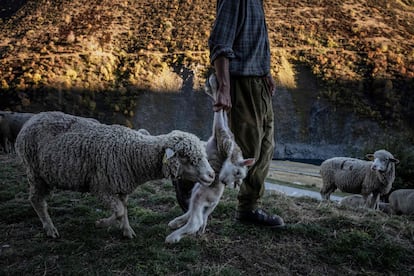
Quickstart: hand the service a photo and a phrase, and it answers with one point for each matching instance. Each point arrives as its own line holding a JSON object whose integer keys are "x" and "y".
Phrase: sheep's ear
{"x": 168, "y": 154}
{"x": 370, "y": 156}
{"x": 248, "y": 162}
{"x": 395, "y": 160}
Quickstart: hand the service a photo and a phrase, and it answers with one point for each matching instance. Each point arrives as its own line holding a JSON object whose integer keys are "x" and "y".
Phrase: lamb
{"x": 358, "y": 201}
{"x": 227, "y": 160}
{"x": 359, "y": 176}
{"x": 402, "y": 202}
{"x": 353, "y": 201}
{"x": 79, "y": 154}
{"x": 10, "y": 125}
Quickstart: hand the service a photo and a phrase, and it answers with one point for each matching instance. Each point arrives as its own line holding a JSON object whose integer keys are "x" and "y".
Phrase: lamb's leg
{"x": 37, "y": 199}
{"x": 119, "y": 213}
{"x": 193, "y": 224}
{"x": 127, "y": 229}
{"x": 206, "y": 214}
{"x": 179, "y": 221}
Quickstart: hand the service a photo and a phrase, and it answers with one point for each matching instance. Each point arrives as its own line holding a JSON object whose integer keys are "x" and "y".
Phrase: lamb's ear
{"x": 370, "y": 156}
{"x": 395, "y": 160}
{"x": 248, "y": 162}
{"x": 168, "y": 154}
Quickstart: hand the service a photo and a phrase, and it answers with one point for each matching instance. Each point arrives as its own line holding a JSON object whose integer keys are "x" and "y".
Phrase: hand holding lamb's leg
{"x": 38, "y": 202}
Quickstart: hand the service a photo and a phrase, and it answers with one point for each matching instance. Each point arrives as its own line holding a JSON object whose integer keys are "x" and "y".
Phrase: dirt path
{"x": 296, "y": 173}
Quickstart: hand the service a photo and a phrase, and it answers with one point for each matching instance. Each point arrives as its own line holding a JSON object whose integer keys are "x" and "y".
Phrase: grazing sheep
{"x": 359, "y": 176}
{"x": 227, "y": 160}
{"x": 402, "y": 202}
{"x": 353, "y": 201}
{"x": 358, "y": 201}
{"x": 73, "y": 153}
{"x": 10, "y": 125}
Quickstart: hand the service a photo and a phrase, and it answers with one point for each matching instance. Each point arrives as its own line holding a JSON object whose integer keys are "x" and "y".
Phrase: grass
{"x": 319, "y": 239}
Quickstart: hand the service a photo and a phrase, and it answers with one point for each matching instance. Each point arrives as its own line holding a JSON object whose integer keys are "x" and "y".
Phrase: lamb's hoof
{"x": 174, "y": 224}
{"x": 172, "y": 238}
{"x": 201, "y": 231}
{"x": 129, "y": 233}
{"x": 101, "y": 223}
{"x": 52, "y": 232}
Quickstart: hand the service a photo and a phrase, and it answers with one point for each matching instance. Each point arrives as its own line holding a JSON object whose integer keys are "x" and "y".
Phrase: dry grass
{"x": 319, "y": 239}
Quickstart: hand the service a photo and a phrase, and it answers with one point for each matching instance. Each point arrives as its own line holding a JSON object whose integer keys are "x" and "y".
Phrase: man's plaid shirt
{"x": 240, "y": 34}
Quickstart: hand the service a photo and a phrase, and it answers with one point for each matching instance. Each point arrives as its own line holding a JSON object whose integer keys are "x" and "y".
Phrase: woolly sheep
{"x": 353, "y": 201}
{"x": 402, "y": 202}
{"x": 73, "y": 153}
{"x": 359, "y": 176}
{"x": 227, "y": 160}
{"x": 358, "y": 201}
{"x": 10, "y": 125}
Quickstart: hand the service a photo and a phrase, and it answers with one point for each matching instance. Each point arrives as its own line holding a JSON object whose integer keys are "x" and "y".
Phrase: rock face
{"x": 311, "y": 128}
{"x": 306, "y": 127}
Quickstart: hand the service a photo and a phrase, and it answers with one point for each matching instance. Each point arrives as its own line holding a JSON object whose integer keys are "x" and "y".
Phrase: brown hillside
{"x": 362, "y": 47}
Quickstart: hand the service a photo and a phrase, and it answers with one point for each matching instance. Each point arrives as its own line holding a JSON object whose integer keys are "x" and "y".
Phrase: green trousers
{"x": 252, "y": 121}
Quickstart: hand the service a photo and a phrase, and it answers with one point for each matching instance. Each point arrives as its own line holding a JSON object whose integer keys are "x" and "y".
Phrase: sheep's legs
{"x": 120, "y": 213}
{"x": 373, "y": 201}
{"x": 326, "y": 191}
{"x": 127, "y": 229}
{"x": 192, "y": 226}
{"x": 37, "y": 199}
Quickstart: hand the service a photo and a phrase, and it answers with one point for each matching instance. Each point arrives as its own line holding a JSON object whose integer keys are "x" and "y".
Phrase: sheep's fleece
{"x": 80, "y": 154}
{"x": 359, "y": 176}
{"x": 402, "y": 201}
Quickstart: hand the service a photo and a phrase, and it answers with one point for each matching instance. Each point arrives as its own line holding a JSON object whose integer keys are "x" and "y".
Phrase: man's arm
{"x": 223, "y": 101}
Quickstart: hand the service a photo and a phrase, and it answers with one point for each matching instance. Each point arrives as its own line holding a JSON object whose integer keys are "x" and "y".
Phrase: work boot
{"x": 259, "y": 217}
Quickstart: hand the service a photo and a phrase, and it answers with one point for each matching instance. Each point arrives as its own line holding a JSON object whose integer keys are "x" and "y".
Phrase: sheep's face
{"x": 177, "y": 165}
{"x": 234, "y": 172}
{"x": 199, "y": 171}
{"x": 381, "y": 160}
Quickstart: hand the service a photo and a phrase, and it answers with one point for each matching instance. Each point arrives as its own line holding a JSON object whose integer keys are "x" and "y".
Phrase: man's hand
{"x": 223, "y": 101}
{"x": 223, "y": 98}
{"x": 271, "y": 84}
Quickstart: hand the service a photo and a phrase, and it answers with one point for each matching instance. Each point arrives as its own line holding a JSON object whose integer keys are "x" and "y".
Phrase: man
{"x": 240, "y": 53}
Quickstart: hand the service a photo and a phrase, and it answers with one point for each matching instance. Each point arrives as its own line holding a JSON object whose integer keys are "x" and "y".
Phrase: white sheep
{"x": 359, "y": 176}
{"x": 402, "y": 202}
{"x": 10, "y": 125}
{"x": 79, "y": 154}
{"x": 353, "y": 201}
{"x": 358, "y": 201}
{"x": 226, "y": 158}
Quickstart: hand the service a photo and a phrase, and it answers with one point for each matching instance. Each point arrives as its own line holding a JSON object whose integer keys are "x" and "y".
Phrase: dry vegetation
{"x": 362, "y": 50}
{"x": 319, "y": 239}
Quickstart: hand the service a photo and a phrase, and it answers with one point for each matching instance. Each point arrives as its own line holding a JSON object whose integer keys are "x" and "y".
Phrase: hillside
{"x": 362, "y": 51}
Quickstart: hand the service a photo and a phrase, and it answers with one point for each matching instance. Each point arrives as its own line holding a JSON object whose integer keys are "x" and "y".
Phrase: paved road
{"x": 296, "y": 173}
{"x": 295, "y": 192}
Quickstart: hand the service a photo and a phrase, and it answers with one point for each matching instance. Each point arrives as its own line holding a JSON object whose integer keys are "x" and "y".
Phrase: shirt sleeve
{"x": 224, "y": 29}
